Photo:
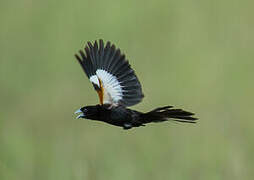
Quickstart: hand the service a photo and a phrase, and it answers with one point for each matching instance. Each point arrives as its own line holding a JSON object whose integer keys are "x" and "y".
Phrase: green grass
{"x": 196, "y": 55}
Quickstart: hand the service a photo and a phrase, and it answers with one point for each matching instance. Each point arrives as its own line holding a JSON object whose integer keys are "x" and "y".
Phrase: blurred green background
{"x": 197, "y": 55}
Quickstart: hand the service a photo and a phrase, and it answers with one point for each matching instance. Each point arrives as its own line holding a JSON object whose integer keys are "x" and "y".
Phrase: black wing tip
{"x": 98, "y": 45}
{"x": 89, "y": 43}
{"x": 97, "y": 42}
{"x": 101, "y": 42}
{"x": 93, "y": 49}
{"x": 77, "y": 57}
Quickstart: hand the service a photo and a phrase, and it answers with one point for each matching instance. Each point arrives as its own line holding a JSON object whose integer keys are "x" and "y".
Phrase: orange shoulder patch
{"x": 101, "y": 92}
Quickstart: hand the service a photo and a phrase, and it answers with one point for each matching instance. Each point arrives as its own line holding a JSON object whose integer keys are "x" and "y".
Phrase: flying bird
{"x": 118, "y": 88}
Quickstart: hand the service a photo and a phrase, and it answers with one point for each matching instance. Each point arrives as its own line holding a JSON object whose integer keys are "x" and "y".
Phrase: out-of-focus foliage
{"x": 197, "y": 55}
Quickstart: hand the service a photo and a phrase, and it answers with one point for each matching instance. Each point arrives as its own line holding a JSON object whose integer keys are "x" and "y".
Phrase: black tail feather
{"x": 166, "y": 113}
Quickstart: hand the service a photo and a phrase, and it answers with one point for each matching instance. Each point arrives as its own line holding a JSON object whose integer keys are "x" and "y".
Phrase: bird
{"x": 118, "y": 88}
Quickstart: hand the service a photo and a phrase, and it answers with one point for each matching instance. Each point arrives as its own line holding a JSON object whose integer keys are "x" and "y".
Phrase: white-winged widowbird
{"x": 118, "y": 88}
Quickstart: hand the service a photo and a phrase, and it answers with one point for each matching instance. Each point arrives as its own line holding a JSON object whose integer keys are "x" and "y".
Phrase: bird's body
{"x": 116, "y": 115}
{"x": 118, "y": 87}
{"x": 128, "y": 118}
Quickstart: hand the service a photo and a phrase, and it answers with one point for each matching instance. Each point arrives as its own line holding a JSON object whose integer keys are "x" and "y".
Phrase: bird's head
{"x": 88, "y": 112}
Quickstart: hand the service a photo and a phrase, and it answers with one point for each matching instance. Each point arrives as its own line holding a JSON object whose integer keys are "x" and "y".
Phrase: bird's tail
{"x": 167, "y": 113}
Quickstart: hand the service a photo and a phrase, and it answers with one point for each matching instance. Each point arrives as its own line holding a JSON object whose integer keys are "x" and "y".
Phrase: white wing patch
{"x": 94, "y": 79}
{"x": 112, "y": 87}
{"x": 113, "y": 92}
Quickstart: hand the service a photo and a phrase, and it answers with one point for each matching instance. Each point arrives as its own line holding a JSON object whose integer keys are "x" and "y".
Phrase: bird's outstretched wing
{"x": 111, "y": 74}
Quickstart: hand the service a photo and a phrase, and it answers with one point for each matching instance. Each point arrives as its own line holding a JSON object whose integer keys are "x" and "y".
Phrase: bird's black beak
{"x": 80, "y": 115}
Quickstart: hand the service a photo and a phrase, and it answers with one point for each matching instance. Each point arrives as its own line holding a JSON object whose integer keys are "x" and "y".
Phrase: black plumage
{"x": 118, "y": 87}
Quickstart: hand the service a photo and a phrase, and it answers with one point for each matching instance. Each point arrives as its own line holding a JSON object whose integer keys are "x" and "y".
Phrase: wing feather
{"x": 111, "y": 74}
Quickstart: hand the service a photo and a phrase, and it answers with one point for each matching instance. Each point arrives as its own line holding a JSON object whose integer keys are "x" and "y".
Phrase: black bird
{"x": 118, "y": 88}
